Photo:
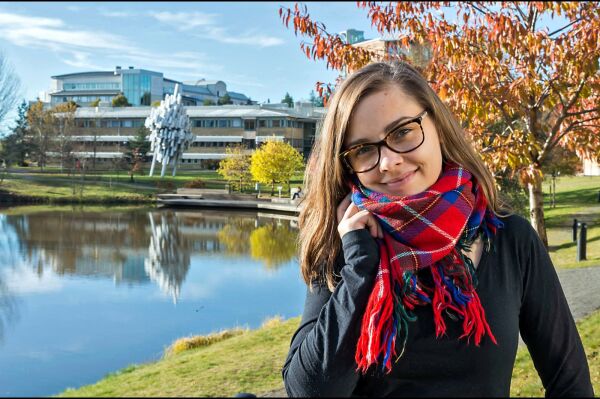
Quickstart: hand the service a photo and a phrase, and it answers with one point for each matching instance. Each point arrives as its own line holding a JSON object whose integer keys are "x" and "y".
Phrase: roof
{"x": 196, "y": 89}
{"x": 239, "y": 96}
{"x": 224, "y": 111}
{"x": 85, "y": 92}
{"x": 97, "y": 73}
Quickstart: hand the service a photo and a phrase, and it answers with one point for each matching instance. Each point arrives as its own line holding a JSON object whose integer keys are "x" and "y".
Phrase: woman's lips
{"x": 402, "y": 180}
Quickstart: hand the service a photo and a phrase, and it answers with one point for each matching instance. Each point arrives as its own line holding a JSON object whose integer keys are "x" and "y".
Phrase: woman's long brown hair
{"x": 326, "y": 179}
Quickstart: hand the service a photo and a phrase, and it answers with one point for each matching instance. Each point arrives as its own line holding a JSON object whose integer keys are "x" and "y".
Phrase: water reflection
{"x": 168, "y": 258}
{"x": 139, "y": 247}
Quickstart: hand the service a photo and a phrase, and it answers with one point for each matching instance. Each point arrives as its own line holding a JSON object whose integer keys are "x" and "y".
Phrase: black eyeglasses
{"x": 406, "y": 137}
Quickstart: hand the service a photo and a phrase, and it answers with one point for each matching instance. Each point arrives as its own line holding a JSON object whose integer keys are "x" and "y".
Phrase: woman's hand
{"x": 351, "y": 218}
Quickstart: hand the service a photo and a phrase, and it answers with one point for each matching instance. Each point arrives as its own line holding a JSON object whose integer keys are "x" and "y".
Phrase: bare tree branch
{"x": 564, "y": 27}
{"x": 9, "y": 88}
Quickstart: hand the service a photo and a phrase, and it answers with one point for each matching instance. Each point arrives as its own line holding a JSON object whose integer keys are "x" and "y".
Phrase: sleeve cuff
{"x": 360, "y": 250}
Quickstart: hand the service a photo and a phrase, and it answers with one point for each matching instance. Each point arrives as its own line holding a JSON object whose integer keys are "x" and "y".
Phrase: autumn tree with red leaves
{"x": 495, "y": 65}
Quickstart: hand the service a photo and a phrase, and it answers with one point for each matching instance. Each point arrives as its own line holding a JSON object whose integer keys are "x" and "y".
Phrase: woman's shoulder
{"x": 516, "y": 235}
{"x": 514, "y": 224}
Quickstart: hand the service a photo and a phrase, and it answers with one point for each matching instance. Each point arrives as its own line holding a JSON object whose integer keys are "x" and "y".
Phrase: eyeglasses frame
{"x": 418, "y": 119}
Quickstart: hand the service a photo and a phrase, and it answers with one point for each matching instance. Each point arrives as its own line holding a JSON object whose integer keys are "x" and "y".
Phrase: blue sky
{"x": 244, "y": 44}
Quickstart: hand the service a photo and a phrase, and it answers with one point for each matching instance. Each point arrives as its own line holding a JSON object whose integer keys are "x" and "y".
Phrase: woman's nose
{"x": 388, "y": 159}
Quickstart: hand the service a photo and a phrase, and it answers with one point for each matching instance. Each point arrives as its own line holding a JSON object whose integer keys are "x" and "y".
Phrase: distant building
{"x": 591, "y": 168}
{"x": 102, "y": 133}
{"x": 141, "y": 87}
{"x": 386, "y": 48}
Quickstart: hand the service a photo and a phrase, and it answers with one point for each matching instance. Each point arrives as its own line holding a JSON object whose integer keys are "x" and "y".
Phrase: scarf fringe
{"x": 386, "y": 318}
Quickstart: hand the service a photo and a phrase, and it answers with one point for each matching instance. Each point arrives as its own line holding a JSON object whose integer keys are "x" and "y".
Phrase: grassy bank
{"x": 251, "y": 362}
{"x": 28, "y": 185}
{"x": 576, "y": 197}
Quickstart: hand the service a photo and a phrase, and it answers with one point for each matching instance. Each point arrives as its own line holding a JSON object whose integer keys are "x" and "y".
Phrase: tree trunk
{"x": 536, "y": 209}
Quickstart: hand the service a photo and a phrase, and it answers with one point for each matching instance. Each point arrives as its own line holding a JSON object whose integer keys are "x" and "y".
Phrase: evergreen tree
{"x": 288, "y": 100}
{"x": 14, "y": 146}
{"x": 120, "y": 101}
{"x": 225, "y": 100}
{"x": 136, "y": 151}
{"x": 316, "y": 101}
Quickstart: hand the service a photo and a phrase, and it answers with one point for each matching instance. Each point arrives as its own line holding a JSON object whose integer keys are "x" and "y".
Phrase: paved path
{"x": 581, "y": 287}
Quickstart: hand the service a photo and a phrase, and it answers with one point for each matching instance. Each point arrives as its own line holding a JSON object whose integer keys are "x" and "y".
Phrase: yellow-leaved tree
{"x": 236, "y": 167}
{"x": 275, "y": 162}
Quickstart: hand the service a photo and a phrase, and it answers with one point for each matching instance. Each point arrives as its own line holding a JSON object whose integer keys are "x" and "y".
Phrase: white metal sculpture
{"x": 170, "y": 132}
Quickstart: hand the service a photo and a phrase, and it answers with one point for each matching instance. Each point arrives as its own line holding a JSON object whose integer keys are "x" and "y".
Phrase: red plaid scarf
{"x": 426, "y": 230}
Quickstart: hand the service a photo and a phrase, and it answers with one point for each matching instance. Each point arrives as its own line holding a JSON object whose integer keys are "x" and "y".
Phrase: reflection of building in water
{"x": 114, "y": 245}
{"x": 82, "y": 244}
{"x": 168, "y": 258}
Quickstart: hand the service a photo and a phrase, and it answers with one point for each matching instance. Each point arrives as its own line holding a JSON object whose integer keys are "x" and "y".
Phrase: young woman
{"x": 419, "y": 283}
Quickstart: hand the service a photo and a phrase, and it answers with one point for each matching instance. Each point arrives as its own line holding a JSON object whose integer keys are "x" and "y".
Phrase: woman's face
{"x": 396, "y": 174}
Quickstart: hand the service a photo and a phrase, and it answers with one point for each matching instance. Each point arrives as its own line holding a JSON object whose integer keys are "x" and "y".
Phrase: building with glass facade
{"x": 101, "y": 134}
{"x": 141, "y": 87}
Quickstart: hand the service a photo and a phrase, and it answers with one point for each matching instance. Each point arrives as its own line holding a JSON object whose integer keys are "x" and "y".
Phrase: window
{"x": 249, "y": 124}
{"x": 262, "y": 123}
{"x": 236, "y": 123}
{"x": 198, "y": 123}
{"x": 115, "y": 124}
{"x": 223, "y": 123}
{"x": 209, "y": 123}
{"x": 275, "y": 123}
{"x": 127, "y": 123}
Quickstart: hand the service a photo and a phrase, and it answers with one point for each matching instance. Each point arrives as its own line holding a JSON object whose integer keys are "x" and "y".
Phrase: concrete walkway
{"x": 582, "y": 289}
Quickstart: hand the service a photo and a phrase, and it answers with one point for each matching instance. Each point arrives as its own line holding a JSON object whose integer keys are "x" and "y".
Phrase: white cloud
{"x": 21, "y": 279}
{"x": 206, "y": 26}
{"x": 7, "y": 20}
{"x": 78, "y": 47}
{"x": 184, "y": 20}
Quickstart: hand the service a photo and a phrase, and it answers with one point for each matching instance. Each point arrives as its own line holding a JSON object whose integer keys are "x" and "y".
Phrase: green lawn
{"x": 252, "y": 361}
{"x": 576, "y": 197}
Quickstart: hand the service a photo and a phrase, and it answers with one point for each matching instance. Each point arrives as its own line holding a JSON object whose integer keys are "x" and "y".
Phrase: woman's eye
{"x": 399, "y": 134}
{"x": 368, "y": 149}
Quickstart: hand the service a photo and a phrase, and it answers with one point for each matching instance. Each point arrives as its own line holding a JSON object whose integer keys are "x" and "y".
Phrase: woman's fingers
{"x": 350, "y": 217}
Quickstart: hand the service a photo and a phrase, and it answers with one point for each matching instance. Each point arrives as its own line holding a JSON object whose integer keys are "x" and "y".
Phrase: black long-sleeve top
{"x": 519, "y": 291}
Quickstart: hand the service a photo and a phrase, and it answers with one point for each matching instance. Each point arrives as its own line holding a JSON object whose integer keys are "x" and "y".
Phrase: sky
{"x": 244, "y": 44}
{"x": 241, "y": 43}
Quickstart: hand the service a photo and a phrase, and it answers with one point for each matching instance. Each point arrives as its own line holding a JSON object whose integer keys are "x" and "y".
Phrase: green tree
{"x": 64, "y": 122}
{"x": 41, "y": 132}
{"x": 275, "y": 162}
{"x": 95, "y": 103}
{"x": 120, "y": 101}
{"x": 136, "y": 150}
{"x": 225, "y": 100}
{"x": 208, "y": 101}
{"x": 155, "y": 103}
{"x": 146, "y": 98}
{"x": 288, "y": 100}
{"x": 236, "y": 167}
{"x": 15, "y": 145}
{"x": 315, "y": 101}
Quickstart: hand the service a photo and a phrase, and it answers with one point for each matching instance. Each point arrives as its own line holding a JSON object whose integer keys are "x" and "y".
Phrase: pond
{"x": 86, "y": 291}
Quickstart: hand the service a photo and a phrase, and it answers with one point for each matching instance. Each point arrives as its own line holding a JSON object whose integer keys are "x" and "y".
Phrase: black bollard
{"x": 575, "y": 230}
{"x": 581, "y": 243}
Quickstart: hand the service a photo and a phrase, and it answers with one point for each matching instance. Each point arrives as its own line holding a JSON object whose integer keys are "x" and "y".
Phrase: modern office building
{"x": 140, "y": 86}
{"x": 102, "y": 133}
{"x": 387, "y": 47}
